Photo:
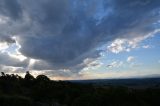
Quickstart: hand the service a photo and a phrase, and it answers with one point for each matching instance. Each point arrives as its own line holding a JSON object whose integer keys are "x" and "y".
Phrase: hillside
{"x": 41, "y": 91}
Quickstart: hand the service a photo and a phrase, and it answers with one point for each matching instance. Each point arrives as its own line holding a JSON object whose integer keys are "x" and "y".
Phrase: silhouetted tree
{"x": 2, "y": 73}
{"x": 42, "y": 78}
{"x": 28, "y": 76}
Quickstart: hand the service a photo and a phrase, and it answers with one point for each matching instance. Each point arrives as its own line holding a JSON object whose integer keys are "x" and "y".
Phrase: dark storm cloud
{"x": 64, "y": 33}
{"x": 10, "y": 8}
{"x": 7, "y": 39}
{"x": 7, "y": 60}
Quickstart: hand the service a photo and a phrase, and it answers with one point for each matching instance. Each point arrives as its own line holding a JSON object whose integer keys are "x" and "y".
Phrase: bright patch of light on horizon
{"x": 36, "y": 73}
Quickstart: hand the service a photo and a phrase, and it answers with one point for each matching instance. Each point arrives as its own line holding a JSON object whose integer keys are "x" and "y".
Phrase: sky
{"x": 80, "y": 39}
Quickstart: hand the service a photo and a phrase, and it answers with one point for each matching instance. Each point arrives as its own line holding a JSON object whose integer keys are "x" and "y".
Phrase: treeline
{"x": 41, "y": 91}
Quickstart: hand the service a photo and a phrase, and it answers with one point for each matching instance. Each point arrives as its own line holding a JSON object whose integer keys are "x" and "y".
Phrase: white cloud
{"x": 12, "y": 50}
{"x": 130, "y": 59}
{"x": 117, "y": 46}
{"x": 115, "y": 64}
{"x": 146, "y": 46}
{"x": 3, "y": 46}
{"x": 18, "y": 56}
{"x": 121, "y": 45}
{"x": 91, "y": 64}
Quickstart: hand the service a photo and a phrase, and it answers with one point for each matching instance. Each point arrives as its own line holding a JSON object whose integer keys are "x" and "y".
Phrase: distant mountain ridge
{"x": 129, "y": 82}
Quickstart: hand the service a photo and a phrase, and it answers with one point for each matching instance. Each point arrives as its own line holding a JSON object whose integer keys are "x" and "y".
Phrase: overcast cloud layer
{"x": 61, "y": 34}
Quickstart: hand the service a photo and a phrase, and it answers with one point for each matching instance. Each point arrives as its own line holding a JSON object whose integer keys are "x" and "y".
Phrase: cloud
{"x": 146, "y": 46}
{"x": 127, "y": 44}
{"x": 117, "y": 46}
{"x": 3, "y": 46}
{"x": 130, "y": 59}
{"x": 115, "y": 64}
{"x": 91, "y": 64}
{"x": 10, "y": 9}
{"x": 62, "y": 34}
{"x": 6, "y": 39}
{"x": 8, "y": 60}
{"x": 11, "y": 69}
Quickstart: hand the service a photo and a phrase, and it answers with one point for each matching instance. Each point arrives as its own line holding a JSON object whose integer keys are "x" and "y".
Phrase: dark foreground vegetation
{"x": 41, "y": 91}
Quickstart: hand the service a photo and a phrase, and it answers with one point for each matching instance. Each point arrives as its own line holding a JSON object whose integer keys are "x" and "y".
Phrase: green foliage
{"x": 41, "y": 91}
